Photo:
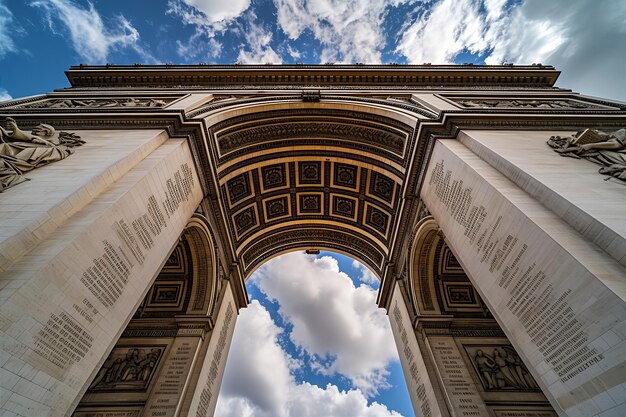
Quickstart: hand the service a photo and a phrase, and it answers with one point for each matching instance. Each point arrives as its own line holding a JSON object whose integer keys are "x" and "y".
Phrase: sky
{"x": 585, "y": 39}
{"x": 313, "y": 343}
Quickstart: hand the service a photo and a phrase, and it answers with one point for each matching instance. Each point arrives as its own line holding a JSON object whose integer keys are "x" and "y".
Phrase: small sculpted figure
{"x": 22, "y": 151}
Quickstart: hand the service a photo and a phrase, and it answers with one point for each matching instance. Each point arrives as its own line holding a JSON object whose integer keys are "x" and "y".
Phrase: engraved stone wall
{"x": 76, "y": 291}
{"x": 417, "y": 377}
{"x": 205, "y": 395}
{"x": 544, "y": 293}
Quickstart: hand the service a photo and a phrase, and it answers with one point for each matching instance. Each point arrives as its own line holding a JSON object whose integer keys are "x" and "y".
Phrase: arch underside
{"x": 317, "y": 177}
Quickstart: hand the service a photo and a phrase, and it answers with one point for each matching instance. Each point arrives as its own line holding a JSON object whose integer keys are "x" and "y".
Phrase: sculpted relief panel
{"x": 526, "y": 103}
{"x": 128, "y": 369}
{"x": 22, "y": 151}
{"x": 605, "y": 149}
{"x": 79, "y": 102}
{"x": 500, "y": 368}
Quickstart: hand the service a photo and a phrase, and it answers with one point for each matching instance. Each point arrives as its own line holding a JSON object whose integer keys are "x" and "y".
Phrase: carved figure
{"x": 64, "y": 103}
{"x": 486, "y": 367}
{"x": 502, "y": 369}
{"x": 605, "y": 149}
{"x": 22, "y": 151}
{"x": 126, "y": 369}
{"x": 525, "y": 104}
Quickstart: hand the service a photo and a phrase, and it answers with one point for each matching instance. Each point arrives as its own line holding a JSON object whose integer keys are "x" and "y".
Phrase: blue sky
{"x": 39, "y": 39}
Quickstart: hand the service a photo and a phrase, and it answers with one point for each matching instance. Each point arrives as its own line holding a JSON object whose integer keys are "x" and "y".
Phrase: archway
{"x": 313, "y": 342}
{"x": 153, "y": 367}
{"x": 462, "y": 363}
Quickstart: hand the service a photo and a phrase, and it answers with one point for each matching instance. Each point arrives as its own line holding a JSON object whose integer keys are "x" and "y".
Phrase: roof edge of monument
{"x": 327, "y": 75}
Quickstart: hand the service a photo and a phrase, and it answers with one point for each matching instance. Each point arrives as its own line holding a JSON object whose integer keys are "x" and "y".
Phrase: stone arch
{"x": 438, "y": 284}
{"x": 298, "y": 174}
{"x": 204, "y": 265}
{"x": 420, "y": 281}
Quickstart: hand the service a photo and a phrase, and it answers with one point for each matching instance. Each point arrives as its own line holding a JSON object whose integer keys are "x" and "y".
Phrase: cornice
{"x": 272, "y": 76}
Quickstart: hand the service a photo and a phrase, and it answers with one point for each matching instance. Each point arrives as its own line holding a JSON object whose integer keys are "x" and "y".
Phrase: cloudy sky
{"x": 586, "y": 39}
{"x": 312, "y": 343}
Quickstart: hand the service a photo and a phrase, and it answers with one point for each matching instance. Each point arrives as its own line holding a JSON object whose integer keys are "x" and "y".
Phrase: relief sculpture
{"x": 127, "y": 369}
{"x": 525, "y": 104}
{"x": 63, "y": 103}
{"x": 500, "y": 368}
{"x": 22, "y": 151}
{"x": 605, "y": 149}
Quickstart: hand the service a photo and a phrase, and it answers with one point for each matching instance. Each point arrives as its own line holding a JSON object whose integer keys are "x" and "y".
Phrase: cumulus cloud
{"x": 257, "y": 49}
{"x": 219, "y": 10}
{"x": 258, "y": 380}
{"x": 584, "y": 39}
{"x": 367, "y": 275}
{"x": 293, "y": 53}
{"x": 257, "y": 369}
{"x": 439, "y": 33}
{"x": 209, "y": 17}
{"x": 4, "y": 95}
{"x": 334, "y": 322}
{"x": 349, "y": 31}
{"x": 90, "y": 37}
{"x": 8, "y": 25}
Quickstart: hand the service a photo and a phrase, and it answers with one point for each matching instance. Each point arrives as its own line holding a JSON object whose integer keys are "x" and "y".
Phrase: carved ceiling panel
{"x": 348, "y": 196}
{"x": 297, "y": 177}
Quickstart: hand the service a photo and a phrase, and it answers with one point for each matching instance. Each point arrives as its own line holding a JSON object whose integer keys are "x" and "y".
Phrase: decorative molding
{"x": 525, "y": 103}
{"x": 298, "y": 76}
{"x": 342, "y": 239}
{"x": 302, "y": 129}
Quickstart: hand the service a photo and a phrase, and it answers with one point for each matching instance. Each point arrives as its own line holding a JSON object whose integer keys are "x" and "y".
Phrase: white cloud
{"x": 293, "y": 53}
{"x": 4, "y": 95}
{"x": 258, "y": 381}
{"x": 367, "y": 275}
{"x": 209, "y": 17}
{"x": 584, "y": 39}
{"x": 219, "y": 10}
{"x": 437, "y": 35}
{"x": 257, "y": 49}
{"x": 199, "y": 45}
{"x": 257, "y": 368}
{"x": 350, "y": 31}
{"x": 8, "y": 26}
{"x": 91, "y": 39}
{"x": 335, "y": 322}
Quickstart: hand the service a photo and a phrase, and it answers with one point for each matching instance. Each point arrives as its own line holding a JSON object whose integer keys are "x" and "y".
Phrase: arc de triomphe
{"x": 489, "y": 203}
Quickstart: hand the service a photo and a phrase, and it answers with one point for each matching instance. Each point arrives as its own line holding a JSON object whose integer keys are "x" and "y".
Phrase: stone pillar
{"x": 419, "y": 379}
{"x": 558, "y": 296}
{"x": 81, "y": 243}
{"x": 166, "y": 395}
{"x": 457, "y": 384}
{"x": 205, "y": 394}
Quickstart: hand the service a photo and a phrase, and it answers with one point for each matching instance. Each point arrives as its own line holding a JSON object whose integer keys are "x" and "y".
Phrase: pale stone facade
{"x": 502, "y": 264}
